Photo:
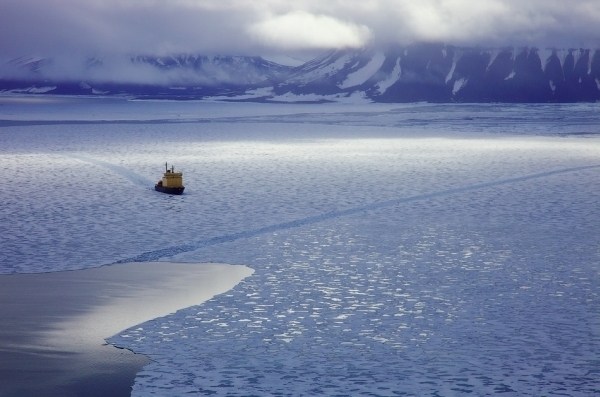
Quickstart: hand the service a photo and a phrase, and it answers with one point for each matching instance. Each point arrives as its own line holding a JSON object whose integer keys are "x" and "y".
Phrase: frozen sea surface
{"x": 398, "y": 250}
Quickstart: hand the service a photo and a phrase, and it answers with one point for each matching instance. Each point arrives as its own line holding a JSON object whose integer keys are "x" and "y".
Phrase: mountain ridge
{"x": 419, "y": 72}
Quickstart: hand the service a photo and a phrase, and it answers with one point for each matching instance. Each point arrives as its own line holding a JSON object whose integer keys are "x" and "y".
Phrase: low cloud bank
{"x": 64, "y": 28}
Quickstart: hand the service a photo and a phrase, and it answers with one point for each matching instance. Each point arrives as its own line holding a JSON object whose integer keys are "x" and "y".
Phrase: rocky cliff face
{"x": 422, "y": 72}
{"x": 442, "y": 74}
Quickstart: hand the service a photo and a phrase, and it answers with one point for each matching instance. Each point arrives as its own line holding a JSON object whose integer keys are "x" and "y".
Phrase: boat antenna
{"x": 166, "y": 167}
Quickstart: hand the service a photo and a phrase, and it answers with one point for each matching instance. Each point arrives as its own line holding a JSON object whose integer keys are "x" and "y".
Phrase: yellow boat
{"x": 171, "y": 182}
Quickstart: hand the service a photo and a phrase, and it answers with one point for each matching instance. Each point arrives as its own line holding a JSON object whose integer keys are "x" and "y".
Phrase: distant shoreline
{"x": 52, "y": 341}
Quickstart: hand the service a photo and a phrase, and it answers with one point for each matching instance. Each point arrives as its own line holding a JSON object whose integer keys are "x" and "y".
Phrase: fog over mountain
{"x": 418, "y": 72}
{"x": 452, "y": 49}
{"x": 92, "y": 28}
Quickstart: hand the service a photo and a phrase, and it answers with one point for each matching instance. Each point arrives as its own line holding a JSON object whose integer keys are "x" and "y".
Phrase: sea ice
{"x": 409, "y": 249}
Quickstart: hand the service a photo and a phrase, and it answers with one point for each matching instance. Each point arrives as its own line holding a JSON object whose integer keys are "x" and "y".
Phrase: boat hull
{"x": 169, "y": 190}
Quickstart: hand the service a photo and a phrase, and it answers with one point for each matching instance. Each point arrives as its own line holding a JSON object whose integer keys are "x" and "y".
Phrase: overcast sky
{"x": 99, "y": 27}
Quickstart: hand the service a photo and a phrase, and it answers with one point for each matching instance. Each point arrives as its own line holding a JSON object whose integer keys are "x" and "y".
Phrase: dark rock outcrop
{"x": 420, "y": 72}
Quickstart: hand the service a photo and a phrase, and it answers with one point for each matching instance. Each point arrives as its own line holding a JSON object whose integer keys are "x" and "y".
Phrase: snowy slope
{"x": 420, "y": 72}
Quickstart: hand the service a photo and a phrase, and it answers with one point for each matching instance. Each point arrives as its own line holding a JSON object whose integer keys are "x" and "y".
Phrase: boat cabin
{"x": 171, "y": 182}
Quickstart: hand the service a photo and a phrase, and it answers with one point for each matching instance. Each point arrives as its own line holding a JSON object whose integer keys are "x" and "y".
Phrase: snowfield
{"x": 398, "y": 249}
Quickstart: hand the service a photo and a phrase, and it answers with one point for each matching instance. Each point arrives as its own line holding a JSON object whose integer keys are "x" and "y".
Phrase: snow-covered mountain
{"x": 421, "y": 72}
{"x": 216, "y": 70}
{"x": 178, "y": 76}
{"x": 440, "y": 73}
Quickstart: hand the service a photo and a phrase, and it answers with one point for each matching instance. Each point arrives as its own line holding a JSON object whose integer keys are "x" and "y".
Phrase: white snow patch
{"x": 40, "y": 90}
{"x": 30, "y": 90}
{"x": 383, "y": 86}
{"x": 544, "y": 55}
{"x": 361, "y": 75}
{"x": 578, "y": 54}
{"x": 354, "y": 98}
{"x": 510, "y": 76}
{"x": 493, "y": 56}
{"x": 561, "y": 54}
{"x": 290, "y": 97}
{"x": 98, "y": 92}
{"x": 264, "y": 92}
{"x": 589, "y": 65}
{"x": 261, "y": 92}
{"x": 458, "y": 85}
{"x": 324, "y": 71}
{"x": 285, "y": 60}
{"x": 451, "y": 72}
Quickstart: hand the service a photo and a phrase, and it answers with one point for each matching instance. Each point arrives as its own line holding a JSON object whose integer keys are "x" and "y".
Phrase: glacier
{"x": 412, "y": 249}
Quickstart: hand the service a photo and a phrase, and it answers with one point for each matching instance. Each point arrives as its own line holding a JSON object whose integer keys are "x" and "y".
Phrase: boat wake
{"x": 125, "y": 172}
{"x": 196, "y": 245}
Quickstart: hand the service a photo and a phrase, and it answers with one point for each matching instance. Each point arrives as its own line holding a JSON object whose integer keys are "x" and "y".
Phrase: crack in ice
{"x": 174, "y": 250}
